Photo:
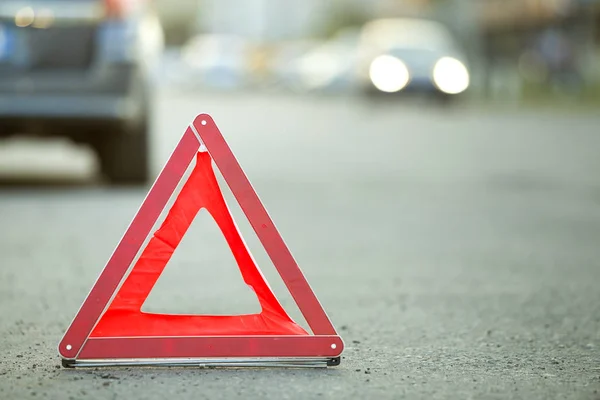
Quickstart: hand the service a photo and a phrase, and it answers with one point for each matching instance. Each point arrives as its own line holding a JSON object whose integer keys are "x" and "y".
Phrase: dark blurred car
{"x": 411, "y": 56}
{"x": 82, "y": 69}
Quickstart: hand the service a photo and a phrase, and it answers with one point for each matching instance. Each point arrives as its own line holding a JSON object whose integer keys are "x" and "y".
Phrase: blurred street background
{"x": 432, "y": 164}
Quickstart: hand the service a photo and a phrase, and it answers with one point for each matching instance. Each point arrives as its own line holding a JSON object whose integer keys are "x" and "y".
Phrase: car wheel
{"x": 124, "y": 155}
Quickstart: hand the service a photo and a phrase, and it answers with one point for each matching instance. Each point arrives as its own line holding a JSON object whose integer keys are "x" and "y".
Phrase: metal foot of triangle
{"x": 111, "y": 330}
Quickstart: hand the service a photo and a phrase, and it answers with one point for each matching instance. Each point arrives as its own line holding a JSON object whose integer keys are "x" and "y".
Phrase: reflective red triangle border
{"x": 77, "y": 345}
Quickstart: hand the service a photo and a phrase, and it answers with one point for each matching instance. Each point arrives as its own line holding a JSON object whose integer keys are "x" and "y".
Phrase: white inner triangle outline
{"x": 202, "y": 277}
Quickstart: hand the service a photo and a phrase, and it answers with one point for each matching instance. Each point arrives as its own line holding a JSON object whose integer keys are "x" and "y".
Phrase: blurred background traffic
{"x": 522, "y": 50}
{"x": 89, "y": 70}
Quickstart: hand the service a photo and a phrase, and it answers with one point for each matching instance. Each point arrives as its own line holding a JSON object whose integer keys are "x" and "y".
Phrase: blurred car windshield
{"x": 388, "y": 34}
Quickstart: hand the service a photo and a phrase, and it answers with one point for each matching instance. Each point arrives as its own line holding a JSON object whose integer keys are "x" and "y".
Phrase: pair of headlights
{"x": 389, "y": 74}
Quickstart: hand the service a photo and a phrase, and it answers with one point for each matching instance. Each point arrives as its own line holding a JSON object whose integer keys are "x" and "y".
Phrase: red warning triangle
{"x": 110, "y": 326}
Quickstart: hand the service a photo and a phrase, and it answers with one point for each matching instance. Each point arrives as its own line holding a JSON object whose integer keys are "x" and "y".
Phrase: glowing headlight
{"x": 388, "y": 74}
{"x": 450, "y": 75}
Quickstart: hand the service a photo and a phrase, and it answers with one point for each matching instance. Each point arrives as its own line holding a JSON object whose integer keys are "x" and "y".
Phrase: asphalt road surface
{"x": 457, "y": 252}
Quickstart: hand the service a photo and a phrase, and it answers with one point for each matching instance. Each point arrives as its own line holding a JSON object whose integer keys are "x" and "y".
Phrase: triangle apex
{"x": 203, "y": 119}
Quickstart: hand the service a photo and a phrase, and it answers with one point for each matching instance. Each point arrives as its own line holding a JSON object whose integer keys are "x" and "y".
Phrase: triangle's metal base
{"x": 207, "y": 362}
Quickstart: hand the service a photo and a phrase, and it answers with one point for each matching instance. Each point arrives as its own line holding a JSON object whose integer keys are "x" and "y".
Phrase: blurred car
{"x": 216, "y": 61}
{"x": 82, "y": 69}
{"x": 330, "y": 66}
{"x": 324, "y": 66}
{"x": 280, "y": 68}
{"x": 411, "y": 56}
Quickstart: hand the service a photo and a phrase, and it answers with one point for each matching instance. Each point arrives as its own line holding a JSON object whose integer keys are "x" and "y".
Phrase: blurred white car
{"x": 216, "y": 61}
{"x": 324, "y": 66}
{"x": 280, "y": 64}
{"x": 411, "y": 55}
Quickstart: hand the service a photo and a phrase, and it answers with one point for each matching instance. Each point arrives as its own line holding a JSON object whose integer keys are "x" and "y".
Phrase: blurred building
{"x": 268, "y": 20}
{"x": 261, "y": 20}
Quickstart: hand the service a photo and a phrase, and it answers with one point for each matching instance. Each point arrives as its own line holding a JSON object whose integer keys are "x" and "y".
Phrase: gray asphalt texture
{"x": 457, "y": 251}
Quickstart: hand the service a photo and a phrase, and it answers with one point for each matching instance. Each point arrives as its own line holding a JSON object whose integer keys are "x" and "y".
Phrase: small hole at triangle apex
{"x": 203, "y": 122}
{"x": 333, "y": 346}
{"x": 69, "y": 347}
